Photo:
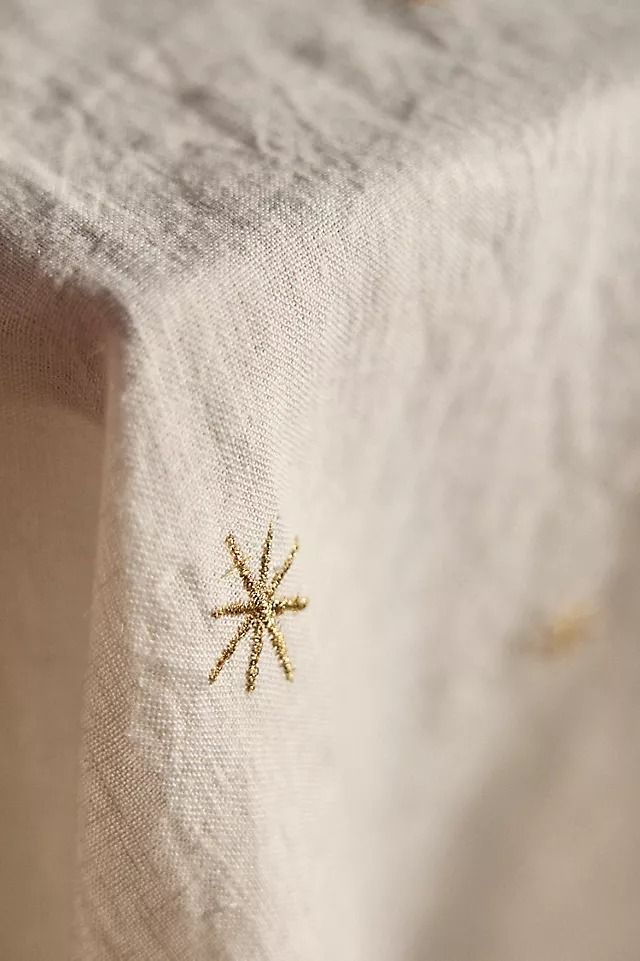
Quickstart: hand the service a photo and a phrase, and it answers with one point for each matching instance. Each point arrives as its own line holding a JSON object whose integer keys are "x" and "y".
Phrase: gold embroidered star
{"x": 262, "y": 610}
{"x": 568, "y": 631}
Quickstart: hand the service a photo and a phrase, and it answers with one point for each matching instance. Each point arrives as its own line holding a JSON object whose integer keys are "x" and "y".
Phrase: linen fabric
{"x": 368, "y": 272}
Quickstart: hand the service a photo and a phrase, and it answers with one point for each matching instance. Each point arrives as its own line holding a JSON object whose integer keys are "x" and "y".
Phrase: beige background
{"x": 369, "y": 271}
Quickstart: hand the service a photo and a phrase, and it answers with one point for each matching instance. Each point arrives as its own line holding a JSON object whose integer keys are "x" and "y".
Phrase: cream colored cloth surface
{"x": 370, "y": 272}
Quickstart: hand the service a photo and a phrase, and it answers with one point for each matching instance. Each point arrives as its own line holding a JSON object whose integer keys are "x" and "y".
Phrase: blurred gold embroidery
{"x": 262, "y": 610}
{"x": 567, "y": 631}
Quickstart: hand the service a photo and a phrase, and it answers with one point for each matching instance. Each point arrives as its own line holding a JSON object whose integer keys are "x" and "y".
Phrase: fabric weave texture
{"x": 367, "y": 271}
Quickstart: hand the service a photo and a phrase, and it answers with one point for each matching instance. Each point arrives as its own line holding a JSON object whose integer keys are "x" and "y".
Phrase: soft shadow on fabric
{"x": 51, "y": 444}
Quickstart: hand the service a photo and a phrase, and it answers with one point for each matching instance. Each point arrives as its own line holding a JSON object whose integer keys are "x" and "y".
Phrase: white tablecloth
{"x": 368, "y": 272}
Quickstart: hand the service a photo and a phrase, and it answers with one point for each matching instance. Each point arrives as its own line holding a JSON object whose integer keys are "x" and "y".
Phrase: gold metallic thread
{"x": 563, "y": 635}
{"x": 261, "y": 612}
{"x": 569, "y": 630}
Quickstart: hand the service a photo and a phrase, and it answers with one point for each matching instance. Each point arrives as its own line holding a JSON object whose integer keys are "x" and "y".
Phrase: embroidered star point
{"x": 262, "y": 610}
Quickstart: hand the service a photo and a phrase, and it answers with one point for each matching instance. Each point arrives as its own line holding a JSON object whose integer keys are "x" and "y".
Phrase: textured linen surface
{"x": 369, "y": 271}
